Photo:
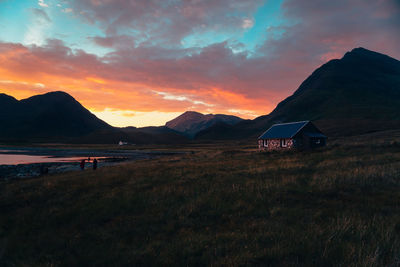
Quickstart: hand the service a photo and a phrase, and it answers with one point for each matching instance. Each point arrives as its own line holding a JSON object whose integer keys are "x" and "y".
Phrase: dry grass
{"x": 336, "y": 206}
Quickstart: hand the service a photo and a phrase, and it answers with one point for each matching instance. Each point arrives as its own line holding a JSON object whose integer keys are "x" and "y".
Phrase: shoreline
{"x": 32, "y": 170}
{"x": 104, "y": 157}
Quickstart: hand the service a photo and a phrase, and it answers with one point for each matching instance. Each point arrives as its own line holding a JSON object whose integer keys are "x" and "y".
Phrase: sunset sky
{"x": 144, "y": 62}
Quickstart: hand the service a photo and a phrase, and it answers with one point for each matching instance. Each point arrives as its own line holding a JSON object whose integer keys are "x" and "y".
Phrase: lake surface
{"x": 17, "y": 156}
{"x": 30, "y": 155}
{"x": 24, "y": 162}
{"x": 15, "y": 159}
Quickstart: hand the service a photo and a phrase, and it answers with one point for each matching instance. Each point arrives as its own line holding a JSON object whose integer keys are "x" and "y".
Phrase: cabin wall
{"x": 306, "y": 142}
{"x": 311, "y": 142}
{"x": 275, "y": 144}
{"x": 261, "y": 144}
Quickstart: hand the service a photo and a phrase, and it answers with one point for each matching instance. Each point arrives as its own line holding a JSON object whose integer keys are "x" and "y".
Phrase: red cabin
{"x": 293, "y": 135}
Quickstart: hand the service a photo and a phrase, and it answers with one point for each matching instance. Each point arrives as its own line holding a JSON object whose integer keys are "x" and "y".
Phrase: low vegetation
{"x": 215, "y": 206}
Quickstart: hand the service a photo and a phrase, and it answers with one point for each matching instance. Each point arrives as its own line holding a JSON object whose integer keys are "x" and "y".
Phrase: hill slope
{"x": 51, "y": 115}
{"x": 190, "y": 122}
{"x": 58, "y": 117}
{"x": 133, "y": 135}
{"x": 363, "y": 84}
{"x": 356, "y": 94}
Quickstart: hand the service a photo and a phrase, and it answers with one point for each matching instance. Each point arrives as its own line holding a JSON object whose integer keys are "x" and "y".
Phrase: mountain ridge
{"x": 53, "y": 114}
{"x": 359, "y": 93}
{"x": 57, "y": 117}
{"x": 192, "y": 122}
{"x": 356, "y": 94}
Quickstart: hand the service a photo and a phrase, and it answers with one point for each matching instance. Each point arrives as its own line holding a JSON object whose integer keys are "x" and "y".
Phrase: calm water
{"x": 14, "y": 159}
{"x": 10, "y": 159}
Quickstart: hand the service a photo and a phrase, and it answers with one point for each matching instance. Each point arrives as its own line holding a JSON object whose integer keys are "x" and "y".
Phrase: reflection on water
{"x": 14, "y": 159}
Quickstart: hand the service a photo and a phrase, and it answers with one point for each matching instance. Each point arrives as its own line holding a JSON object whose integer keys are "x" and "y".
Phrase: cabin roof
{"x": 283, "y": 130}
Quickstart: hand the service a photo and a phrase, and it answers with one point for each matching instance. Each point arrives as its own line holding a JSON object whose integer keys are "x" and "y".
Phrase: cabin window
{"x": 318, "y": 141}
{"x": 283, "y": 143}
{"x": 266, "y": 143}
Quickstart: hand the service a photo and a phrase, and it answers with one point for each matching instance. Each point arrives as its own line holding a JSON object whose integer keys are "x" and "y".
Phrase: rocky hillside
{"x": 190, "y": 122}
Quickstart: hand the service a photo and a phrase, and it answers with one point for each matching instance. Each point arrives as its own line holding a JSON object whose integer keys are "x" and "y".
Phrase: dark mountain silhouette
{"x": 191, "y": 122}
{"x": 158, "y": 135}
{"x": 357, "y": 94}
{"x": 51, "y": 115}
{"x": 218, "y": 131}
{"x": 6, "y": 103}
{"x": 133, "y": 135}
{"x": 58, "y": 117}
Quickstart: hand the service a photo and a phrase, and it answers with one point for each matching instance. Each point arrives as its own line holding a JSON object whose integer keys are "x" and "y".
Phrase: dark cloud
{"x": 118, "y": 42}
{"x": 337, "y": 26}
{"x": 166, "y": 20}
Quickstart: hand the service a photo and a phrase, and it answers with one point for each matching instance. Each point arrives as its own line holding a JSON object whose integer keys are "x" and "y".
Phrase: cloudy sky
{"x": 143, "y": 62}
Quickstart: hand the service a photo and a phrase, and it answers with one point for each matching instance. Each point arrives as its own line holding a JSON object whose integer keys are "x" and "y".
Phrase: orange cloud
{"x": 95, "y": 80}
{"x": 26, "y": 71}
{"x": 163, "y": 82}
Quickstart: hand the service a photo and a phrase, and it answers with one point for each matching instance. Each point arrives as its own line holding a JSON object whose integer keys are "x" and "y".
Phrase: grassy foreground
{"x": 218, "y": 206}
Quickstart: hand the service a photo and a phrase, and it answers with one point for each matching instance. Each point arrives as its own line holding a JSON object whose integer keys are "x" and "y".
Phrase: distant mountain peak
{"x": 191, "y": 112}
{"x": 365, "y": 54}
{"x": 54, "y": 95}
{"x": 60, "y": 93}
{"x": 361, "y": 50}
{"x": 192, "y": 122}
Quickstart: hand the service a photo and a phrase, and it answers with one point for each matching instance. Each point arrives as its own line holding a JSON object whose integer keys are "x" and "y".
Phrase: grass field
{"x": 339, "y": 206}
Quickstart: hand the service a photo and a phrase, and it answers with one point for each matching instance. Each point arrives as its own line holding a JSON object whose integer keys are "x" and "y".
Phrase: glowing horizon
{"x": 135, "y": 63}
